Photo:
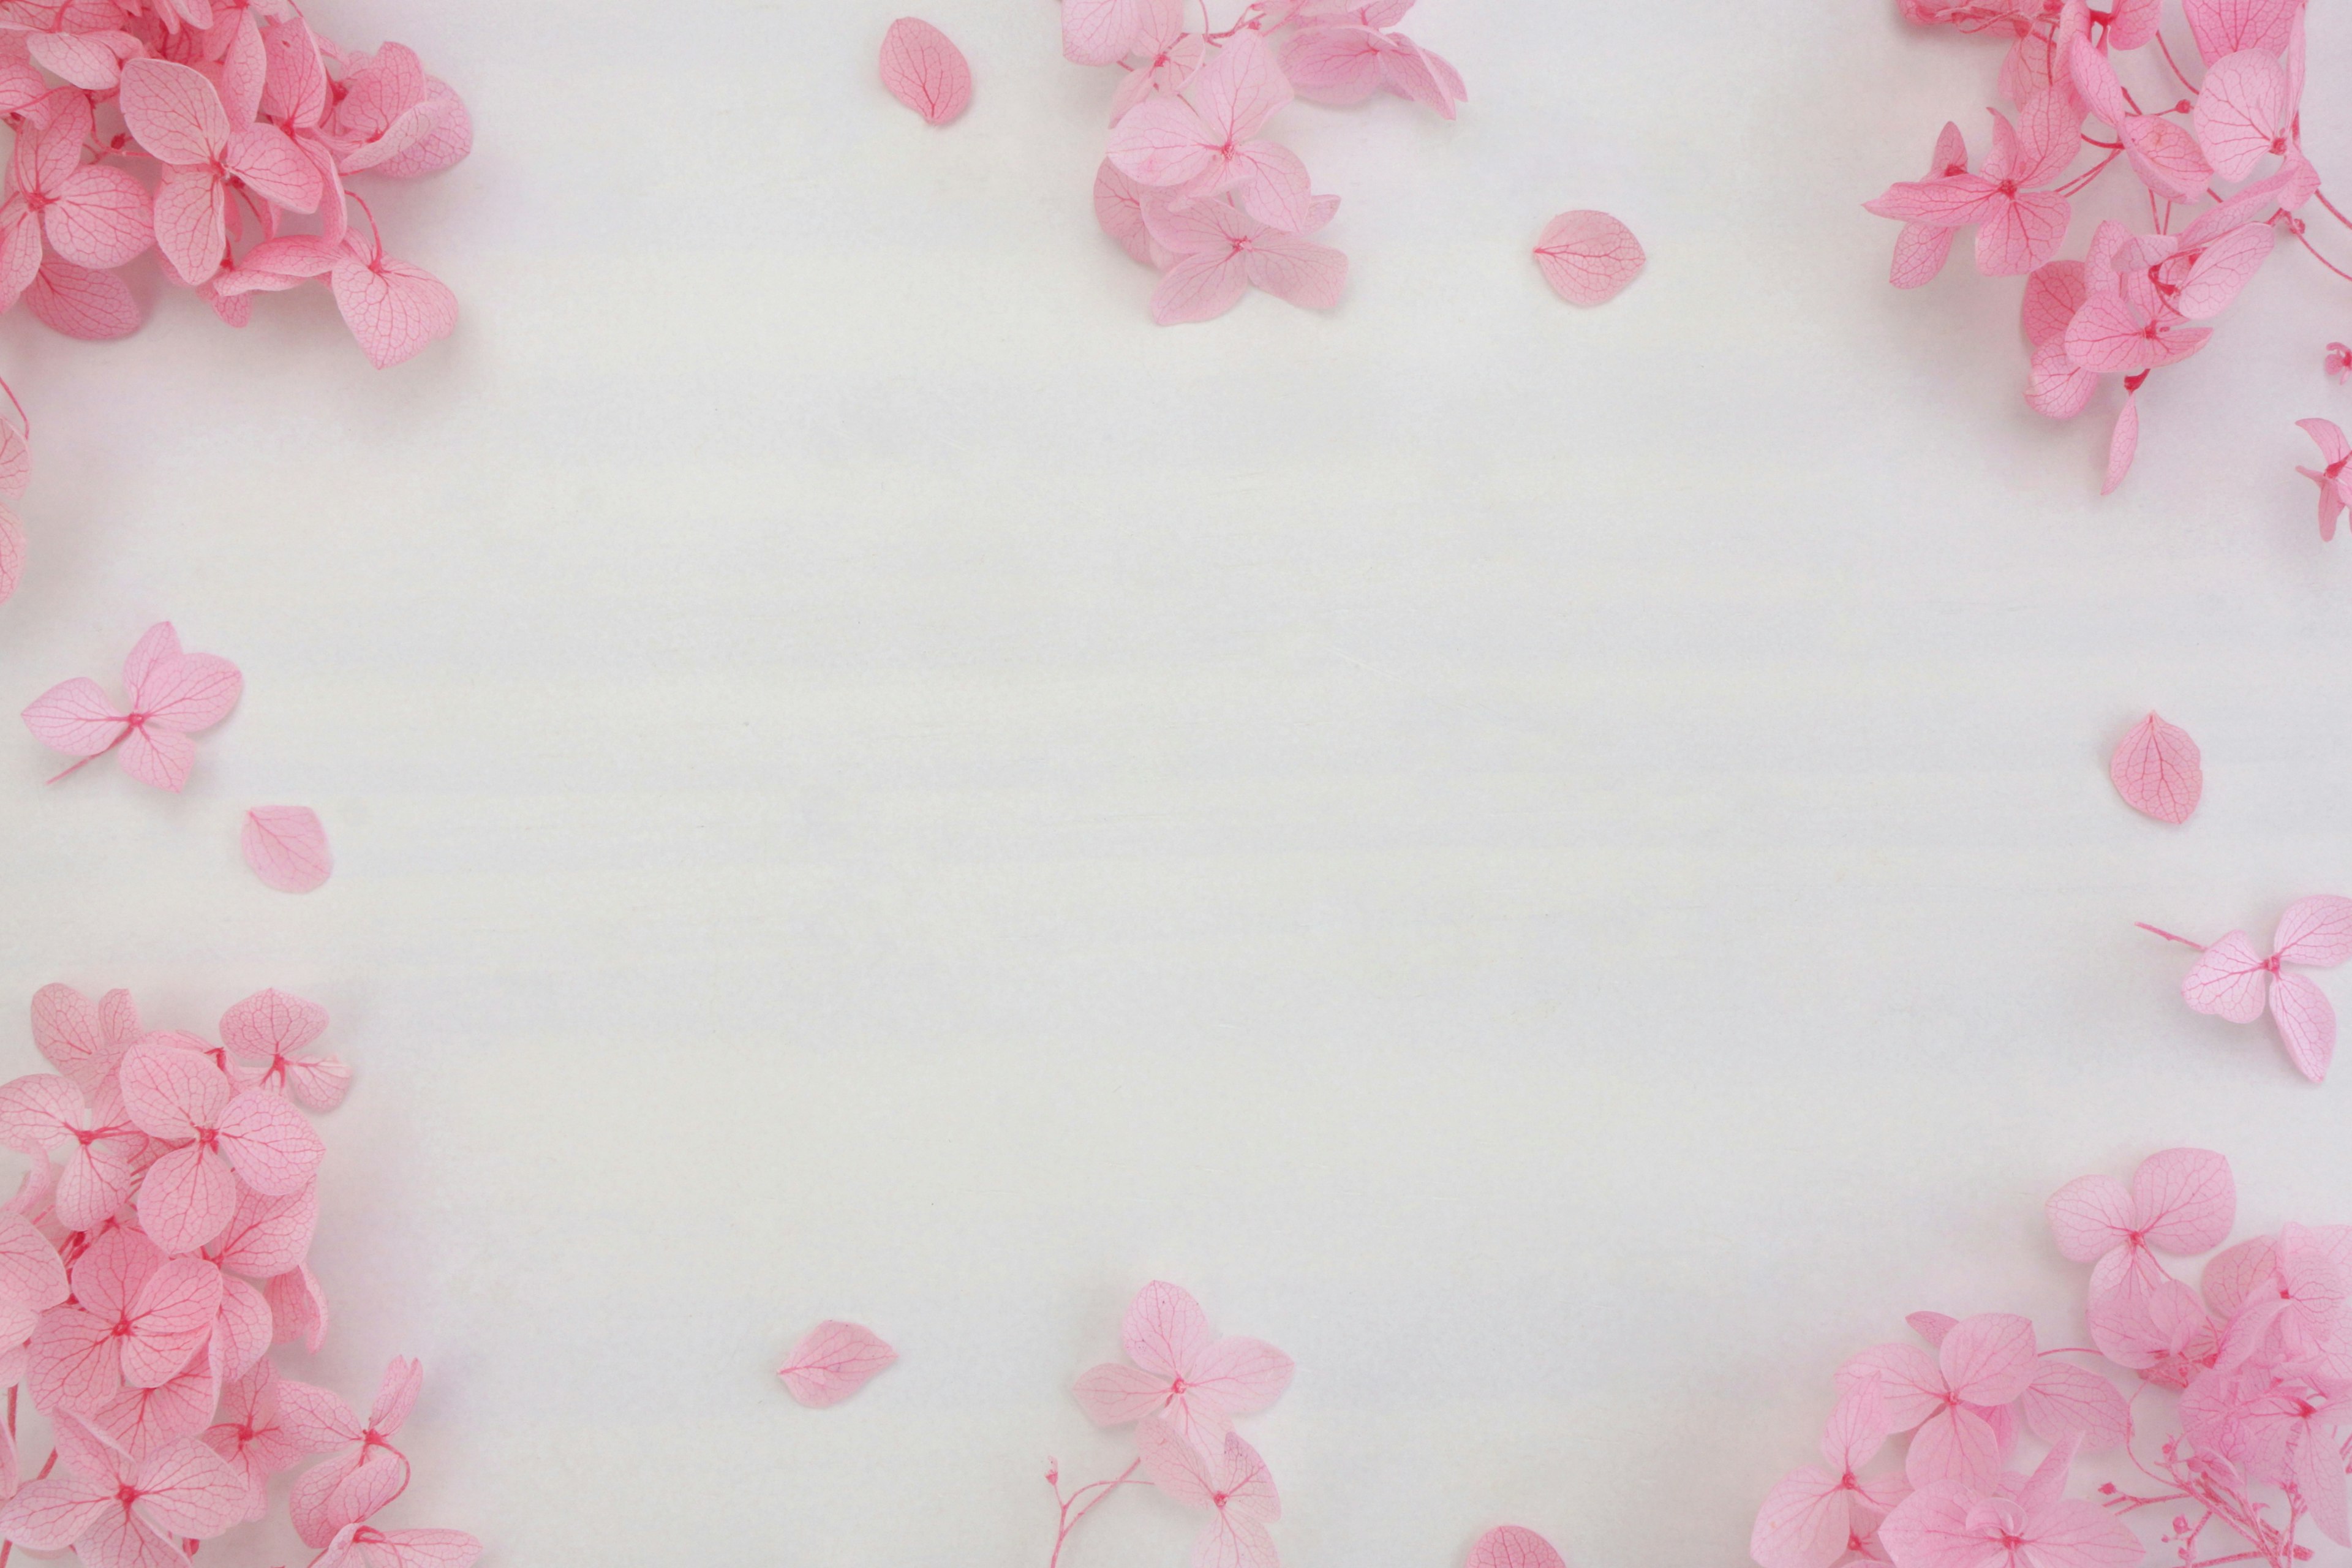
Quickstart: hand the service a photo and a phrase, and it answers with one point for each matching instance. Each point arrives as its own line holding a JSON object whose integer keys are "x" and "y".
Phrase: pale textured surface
{"x": 1559, "y": 866}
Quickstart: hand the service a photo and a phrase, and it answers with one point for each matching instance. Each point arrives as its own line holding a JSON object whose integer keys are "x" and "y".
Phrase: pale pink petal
{"x": 2091, "y": 1216}
{"x": 391, "y": 308}
{"x": 31, "y": 1272}
{"x": 82, "y": 302}
{"x": 12, "y": 550}
{"x": 1511, "y": 1546}
{"x": 446, "y": 143}
{"x": 1333, "y": 65}
{"x": 1589, "y": 257}
{"x": 142, "y": 1420}
{"x": 316, "y": 1418}
{"x": 268, "y": 1237}
{"x": 2228, "y": 979}
{"x": 1241, "y": 89}
{"x": 2165, "y": 157}
{"x": 1920, "y": 252}
{"x": 163, "y": 758}
{"x": 1163, "y": 143}
{"x": 1987, "y": 1359}
{"x": 190, "y": 223}
{"x": 923, "y": 69}
{"x": 1240, "y": 1375}
{"x": 169, "y": 1093}
{"x": 2187, "y": 1200}
{"x": 2055, "y": 386}
{"x": 2316, "y": 932}
{"x": 2158, "y": 771}
{"x": 187, "y": 1198}
{"x": 273, "y": 1148}
{"x": 2021, "y": 233}
{"x": 266, "y": 159}
{"x": 187, "y": 1489}
{"x": 1118, "y": 208}
{"x": 51, "y": 1515}
{"x": 71, "y": 1030}
{"x": 1272, "y": 185}
{"x": 1174, "y": 1465}
{"x": 271, "y": 1023}
{"x": 2065, "y": 1402}
{"x": 1300, "y": 272}
{"x": 2225, "y": 27}
{"x": 76, "y": 1362}
{"x": 1100, "y": 32}
{"x": 192, "y": 691}
{"x": 2123, "y": 446}
{"x": 833, "y": 1361}
{"x": 1956, "y": 1444}
{"x": 91, "y": 62}
{"x": 396, "y": 1394}
{"x": 423, "y": 1548}
{"x": 380, "y": 1477}
{"x": 1909, "y": 1383}
{"x": 15, "y": 460}
{"x": 1114, "y": 1394}
{"x": 75, "y": 717}
{"x": 2071, "y": 1533}
{"x": 1233, "y": 1543}
{"x": 1200, "y": 287}
{"x": 1803, "y": 1523}
{"x": 242, "y": 1331}
{"x": 2221, "y": 270}
{"x": 298, "y": 1307}
{"x": 1165, "y": 1331}
{"x": 174, "y": 111}
{"x": 1947, "y": 202}
{"x": 1931, "y": 1528}
{"x": 2306, "y": 1024}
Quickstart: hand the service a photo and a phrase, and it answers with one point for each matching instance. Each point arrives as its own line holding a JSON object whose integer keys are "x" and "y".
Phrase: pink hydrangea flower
{"x": 1184, "y": 1374}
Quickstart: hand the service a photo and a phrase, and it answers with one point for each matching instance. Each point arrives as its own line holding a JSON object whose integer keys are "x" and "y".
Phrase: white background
{"x": 1556, "y": 864}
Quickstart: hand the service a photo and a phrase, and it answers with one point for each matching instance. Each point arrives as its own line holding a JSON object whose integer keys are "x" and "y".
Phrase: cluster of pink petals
{"x": 2233, "y": 980}
{"x": 1181, "y": 1394}
{"x": 154, "y": 1255}
{"x": 2221, "y": 162}
{"x": 2248, "y": 1458}
{"x": 220, "y": 135}
{"x": 1192, "y": 186}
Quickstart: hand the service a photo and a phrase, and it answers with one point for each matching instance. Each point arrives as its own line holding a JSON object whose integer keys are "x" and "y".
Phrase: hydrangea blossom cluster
{"x": 2220, "y": 162}
{"x": 2237, "y": 1422}
{"x": 1191, "y": 186}
{"x": 154, "y": 1255}
{"x": 1180, "y": 1394}
{"x": 220, "y": 134}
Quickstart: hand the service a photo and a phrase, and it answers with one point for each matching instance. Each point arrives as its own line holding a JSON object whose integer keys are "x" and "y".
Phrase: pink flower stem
{"x": 1069, "y": 1520}
{"x": 2081, "y": 182}
{"x": 2169, "y": 936}
{"x": 2170, "y": 61}
{"x": 95, "y": 756}
{"x": 2321, "y": 197}
{"x": 2304, "y": 241}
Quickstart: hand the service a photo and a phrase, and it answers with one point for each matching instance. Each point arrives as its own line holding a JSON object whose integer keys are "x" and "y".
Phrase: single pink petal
{"x": 51, "y": 1515}
{"x": 1241, "y": 89}
{"x": 272, "y": 1148}
{"x": 2242, "y": 111}
{"x": 1909, "y": 1383}
{"x": 391, "y": 308}
{"x": 1920, "y": 252}
{"x": 1272, "y": 185}
{"x": 923, "y": 69}
{"x": 1165, "y": 1331}
{"x": 2020, "y": 232}
{"x": 75, "y": 717}
{"x": 1305, "y": 274}
{"x": 1589, "y": 257}
{"x": 1510, "y": 1546}
{"x": 1114, "y": 1394}
{"x": 2066, "y": 1403}
{"x": 298, "y": 1307}
{"x": 157, "y": 756}
{"x": 187, "y": 1198}
{"x": 174, "y": 111}
{"x": 1200, "y": 287}
{"x": 191, "y": 219}
{"x": 76, "y": 1362}
{"x": 82, "y": 302}
{"x": 2158, "y": 771}
{"x": 1333, "y": 65}
{"x": 2225, "y": 27}
{"x": 316, "y": 1418}
{"x": 188, "y": 1490}
{"x": 2187, "y": 1200}
{"x": 1118, "y": 208}
{"x": 2306, "y": 1024}
{"x": 2221, "y": 270}
{"x": 2093, "y": 76}
{"x": 1951, "y": 201}
{"x": 268, "y": 1237}
{"x": 1954, "y": 1444}
{"x": 1174, "y": 1465}
{"x": 91, "y": 62}
{"x": 1163, "y": 143}
{"x": 2091, "y": 1216}
{"x": 2165, "y": 157}
{"x": 287, "y": 848}
{"x": 2072, "y": 1533}
{"x": 241, "y": 1332}
{"x": 2055, "y": 386}
{"x": 2228, "y": 979}
{"x": 30, "y": 1271}
{"x": 268, "y": 160}
{"x": 190, "y": 692}
{"x": 445, "y": 144}
{"x": 2316, "y": 932}
{"x": 169, "y": 1093}
{"x": 1100, "y": 32}
{"x": 833, "y": 1361}
{"x": 1987, "y": 1359}
{"x": 1804, "y": 1522}
{"x": 395, "y": 1395}
{"x": 2123, "y": 446}
{"x": 1240, "y": 1375}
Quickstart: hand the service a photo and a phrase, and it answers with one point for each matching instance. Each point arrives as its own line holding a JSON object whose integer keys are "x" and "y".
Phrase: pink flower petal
{"x": 12, "y": 553}
{"x": 1589, "y": 257}
{"x": 833, "y": 1361}
{"x": 2123, "y": 446}
{"x": 2185, "y": 1200}
{"x": 287, "y": 848}
{"x": 1510, "y": 1546}
{"x": 924, "y": 70}
{"x": 2316, "y": 932}
{"x": 2307, "y": 1024}
{"x": 2158, "y": 771}
{"x": 2228, "y": 980}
